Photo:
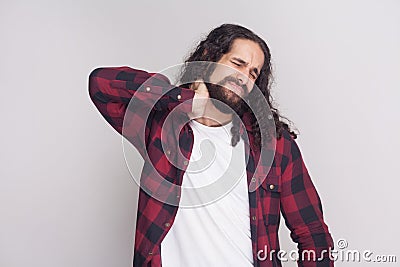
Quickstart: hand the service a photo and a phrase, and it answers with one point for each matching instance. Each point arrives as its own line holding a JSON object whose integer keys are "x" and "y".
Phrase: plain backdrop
{"x": 66, "y": 195}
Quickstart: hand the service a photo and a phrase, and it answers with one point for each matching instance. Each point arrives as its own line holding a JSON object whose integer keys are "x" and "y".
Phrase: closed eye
{"x": 239, "y": 64}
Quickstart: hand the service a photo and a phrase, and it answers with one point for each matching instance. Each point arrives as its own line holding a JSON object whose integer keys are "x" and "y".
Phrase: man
{"x": 219, "y": 102}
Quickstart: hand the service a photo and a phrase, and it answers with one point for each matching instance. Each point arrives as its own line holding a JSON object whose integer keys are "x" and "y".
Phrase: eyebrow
{"x": 241, "y": 61}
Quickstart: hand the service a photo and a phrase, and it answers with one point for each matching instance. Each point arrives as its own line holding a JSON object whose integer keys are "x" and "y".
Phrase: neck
{"x": 213, "y": 117}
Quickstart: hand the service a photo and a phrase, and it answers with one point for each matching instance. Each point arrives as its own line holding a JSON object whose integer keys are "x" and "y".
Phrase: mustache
{"x": 235, "y": 81}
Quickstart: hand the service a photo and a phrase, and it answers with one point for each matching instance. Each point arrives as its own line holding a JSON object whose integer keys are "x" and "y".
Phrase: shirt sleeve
{"x": 128, "y": 98}
{"x": 302, "y": 210}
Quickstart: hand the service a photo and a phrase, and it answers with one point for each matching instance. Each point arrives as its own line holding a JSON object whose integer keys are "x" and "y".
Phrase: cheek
{"x": 220, "y": 73}
{"x": 250, "y": 86}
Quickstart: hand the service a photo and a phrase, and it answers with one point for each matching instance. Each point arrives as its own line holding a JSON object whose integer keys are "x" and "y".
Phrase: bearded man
{"x": 185, "y": 215}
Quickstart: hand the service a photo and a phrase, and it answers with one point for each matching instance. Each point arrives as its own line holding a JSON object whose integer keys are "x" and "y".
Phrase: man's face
{"x": 234, "y": 81}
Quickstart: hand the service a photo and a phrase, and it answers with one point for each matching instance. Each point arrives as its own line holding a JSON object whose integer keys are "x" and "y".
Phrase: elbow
{"x": 314, "y": 235}
{"x": 94, "y": 73}
{"x": 95, "y": 88}
{"x": 92, "y": 84}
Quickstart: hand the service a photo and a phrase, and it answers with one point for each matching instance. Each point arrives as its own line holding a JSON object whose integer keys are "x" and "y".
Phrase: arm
{"x": 111, "y": 90}
{"x": 302, "y": 209}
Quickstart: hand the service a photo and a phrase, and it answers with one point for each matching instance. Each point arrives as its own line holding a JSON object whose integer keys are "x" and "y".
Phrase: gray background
{"x": 66, "y": 196}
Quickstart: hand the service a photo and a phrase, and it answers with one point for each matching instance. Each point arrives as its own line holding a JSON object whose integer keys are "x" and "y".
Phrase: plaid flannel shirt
{"x": 286, "y": 187}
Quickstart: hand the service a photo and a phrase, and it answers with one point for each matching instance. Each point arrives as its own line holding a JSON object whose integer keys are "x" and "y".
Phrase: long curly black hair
{"x": 219, "y": 42}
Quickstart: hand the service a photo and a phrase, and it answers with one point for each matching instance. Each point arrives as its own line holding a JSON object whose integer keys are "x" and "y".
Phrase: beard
{"x": 225, "y": 100}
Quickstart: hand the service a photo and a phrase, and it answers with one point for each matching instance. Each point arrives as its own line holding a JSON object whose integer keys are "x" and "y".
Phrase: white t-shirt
{"x": 211, "y": 228}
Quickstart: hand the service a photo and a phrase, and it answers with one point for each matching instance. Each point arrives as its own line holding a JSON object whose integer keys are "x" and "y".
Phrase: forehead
{"x": 247, "y": 50}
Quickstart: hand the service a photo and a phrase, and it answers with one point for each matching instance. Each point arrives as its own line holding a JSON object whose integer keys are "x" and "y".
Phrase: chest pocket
{"x": 270, "y": 195}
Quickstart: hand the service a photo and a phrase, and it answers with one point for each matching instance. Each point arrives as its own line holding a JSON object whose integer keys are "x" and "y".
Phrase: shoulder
{"x": 287, "y": 150}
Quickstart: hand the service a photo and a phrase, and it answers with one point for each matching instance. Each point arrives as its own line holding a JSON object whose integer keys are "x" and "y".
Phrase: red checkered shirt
{"x": 286, "y": 187}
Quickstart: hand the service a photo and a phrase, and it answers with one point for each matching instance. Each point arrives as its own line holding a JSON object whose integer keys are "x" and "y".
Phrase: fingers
{"x": 196, "y": 84}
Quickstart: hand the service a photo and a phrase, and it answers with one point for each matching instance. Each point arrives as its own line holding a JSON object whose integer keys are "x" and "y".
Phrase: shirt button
{"x": 147, "y": 89}
{"x": 271, "y": 186}
{"x": 185, "y": 162}
{"x": 253, "y": 218}
{"x": 253, "y": 179}
{"x": 168, "y": 152}
{"x": 167, "y": 224}
{"x": 179, "y": 97}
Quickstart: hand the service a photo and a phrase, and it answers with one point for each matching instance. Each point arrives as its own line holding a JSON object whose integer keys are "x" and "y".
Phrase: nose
{"x": 243, "y": 79}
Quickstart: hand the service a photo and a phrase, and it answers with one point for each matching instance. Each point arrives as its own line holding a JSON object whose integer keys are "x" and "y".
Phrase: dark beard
{"x": 226, "y": 100}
